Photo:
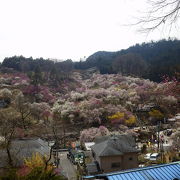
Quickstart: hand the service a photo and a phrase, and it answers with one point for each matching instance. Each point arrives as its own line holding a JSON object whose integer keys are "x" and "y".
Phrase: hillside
{"x": 81, "y": 106}
{"x": 158, "y": 59}
{"x": 149, "y": 60}
{"x": 86, "y": 98}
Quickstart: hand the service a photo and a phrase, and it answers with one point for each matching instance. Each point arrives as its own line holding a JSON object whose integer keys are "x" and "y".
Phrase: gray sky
{"x": 70, "y": 29}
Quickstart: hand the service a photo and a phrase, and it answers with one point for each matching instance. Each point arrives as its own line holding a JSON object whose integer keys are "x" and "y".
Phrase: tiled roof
{"x": 115, "y": 145}
{"x": 23, "y": 148}
{"x": 169, "y": 171}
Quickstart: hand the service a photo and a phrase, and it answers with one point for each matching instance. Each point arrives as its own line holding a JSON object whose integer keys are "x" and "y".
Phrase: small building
{"x": 24, "y": 148}
{"x": 114, "y": 153}
{"x": 169, "y": 171}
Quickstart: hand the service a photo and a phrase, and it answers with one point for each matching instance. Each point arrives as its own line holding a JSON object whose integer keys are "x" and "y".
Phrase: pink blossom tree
{"x": 88, "y": 135}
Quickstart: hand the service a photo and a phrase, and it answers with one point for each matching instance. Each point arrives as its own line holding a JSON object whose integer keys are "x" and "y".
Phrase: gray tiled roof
{"x": 23, "y": 148}
{"x": 27, "y": 146}
{"x": 114, "y": 145}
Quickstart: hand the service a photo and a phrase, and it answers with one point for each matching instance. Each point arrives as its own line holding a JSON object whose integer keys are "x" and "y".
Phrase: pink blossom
{"x": 23, "y": 171}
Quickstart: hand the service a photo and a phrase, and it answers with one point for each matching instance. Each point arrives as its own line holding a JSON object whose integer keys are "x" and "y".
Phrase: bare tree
{"x": 162, "y": 13}
{"x": 8, "y": 124}
{"x": 23, "y": 108}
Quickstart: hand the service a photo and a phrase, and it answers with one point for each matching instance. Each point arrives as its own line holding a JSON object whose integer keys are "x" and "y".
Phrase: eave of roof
{"x": 157, "y": 172}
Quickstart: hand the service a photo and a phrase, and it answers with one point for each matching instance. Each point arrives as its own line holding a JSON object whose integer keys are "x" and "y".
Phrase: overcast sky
{"x": 69, "y": 29}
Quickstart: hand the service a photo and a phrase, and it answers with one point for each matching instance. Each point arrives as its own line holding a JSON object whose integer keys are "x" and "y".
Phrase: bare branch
{"x": 162, "y": 13}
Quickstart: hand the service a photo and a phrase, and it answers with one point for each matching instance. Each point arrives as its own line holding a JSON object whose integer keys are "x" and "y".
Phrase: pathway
{"x": 67, "y": 167}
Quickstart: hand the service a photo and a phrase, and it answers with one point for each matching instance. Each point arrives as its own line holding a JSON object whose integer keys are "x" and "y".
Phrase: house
{"x": 24, "y": 148}
{"x": 169, "y": 171}
{"x": 114, "y": 153}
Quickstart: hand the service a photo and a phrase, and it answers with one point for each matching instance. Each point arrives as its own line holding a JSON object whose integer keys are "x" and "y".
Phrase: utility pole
{"x": 158, "y": 135}
{"x": 162, "y": 148}
{"x": 162, "y": 151}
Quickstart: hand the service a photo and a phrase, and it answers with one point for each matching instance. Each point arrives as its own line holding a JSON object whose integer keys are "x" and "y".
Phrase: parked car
{"x": 154, "y": 156}
{"x": 147, "y": 156}
{"x": 76, "y": 156}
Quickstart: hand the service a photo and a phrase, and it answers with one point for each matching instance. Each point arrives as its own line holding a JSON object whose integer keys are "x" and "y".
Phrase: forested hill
{"x": 149, "y": 60}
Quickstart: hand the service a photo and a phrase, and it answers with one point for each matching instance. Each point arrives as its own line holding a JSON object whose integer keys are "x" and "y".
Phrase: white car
{"x": 154, "y": 156}
{"x": 147, "y": 156}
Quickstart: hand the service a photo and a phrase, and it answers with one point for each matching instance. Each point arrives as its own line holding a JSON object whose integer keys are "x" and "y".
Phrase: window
{"x": 130, "y": 158}
{"x": 115, "y": 165}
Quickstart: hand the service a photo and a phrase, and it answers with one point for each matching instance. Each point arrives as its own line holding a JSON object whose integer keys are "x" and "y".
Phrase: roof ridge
{"x": 109, "y": 147}
{"x": 103, "y": 142}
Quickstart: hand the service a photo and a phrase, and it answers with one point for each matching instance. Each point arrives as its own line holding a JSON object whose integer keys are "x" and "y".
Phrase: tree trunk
{"x": 64, "y": 135}
{"x": 10, "y": 161}
{"x": 23, "y": 122}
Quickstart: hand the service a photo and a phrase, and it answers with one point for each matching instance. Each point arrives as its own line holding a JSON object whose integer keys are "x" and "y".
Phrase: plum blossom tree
{"x": 5, "y": 93}
{"x": 123, "y": 118}
{"x": 171, "y": 86}
{"x": 20, "y": 79}
{"x": 88, "y": 135}
{"x": 39, "y": 93}
{"x": 41, "y": 111}
{"x": 100, "y": 96}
